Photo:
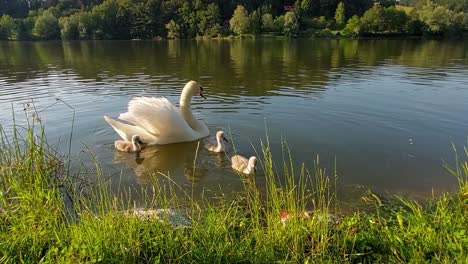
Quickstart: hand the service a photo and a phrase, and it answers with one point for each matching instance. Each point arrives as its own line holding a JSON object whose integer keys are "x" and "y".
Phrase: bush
{"x": 340, "y": 17}
{"x": 87, "y": 25}
{"x": 69, "y": 27}
{"x": 291, "y": 24}
{"x": 173, "y": 30}
{"x": 279, "y": 24}
{"x": 255, "y": 22}
{"x": 240, "y": 21}
{"x": 267, "y": 23}
{"x": 7, "y": 27}
{"x": 352, "y": 28}
{"x": 46, "y": 26}
{"x": 24, "y": 27}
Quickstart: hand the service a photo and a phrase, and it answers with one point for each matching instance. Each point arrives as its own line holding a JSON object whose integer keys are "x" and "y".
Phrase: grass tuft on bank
{"x": 50, "y": 216}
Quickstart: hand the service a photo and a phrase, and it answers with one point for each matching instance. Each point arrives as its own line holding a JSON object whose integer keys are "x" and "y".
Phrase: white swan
{"x": 244, "y": 165}
{"x": 159, "y": 122}
{"x": 129, "y": 146}
{"x": 216, "y": 145}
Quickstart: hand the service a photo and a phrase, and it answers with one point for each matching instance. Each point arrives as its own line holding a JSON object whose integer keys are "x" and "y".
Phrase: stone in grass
{"x": 171, "y": 216}
{"x": 331, "y": 218}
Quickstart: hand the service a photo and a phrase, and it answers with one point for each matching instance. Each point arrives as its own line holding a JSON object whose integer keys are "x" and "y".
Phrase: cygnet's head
{"x": 136, "y": 139}
{"x": 220, "y": 135}
{"x": 195, "y": 88}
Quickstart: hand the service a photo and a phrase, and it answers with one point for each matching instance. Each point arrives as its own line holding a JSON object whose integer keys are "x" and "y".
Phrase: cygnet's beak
{"x": 201, "y": 93}
{"x": 225, "y": 139}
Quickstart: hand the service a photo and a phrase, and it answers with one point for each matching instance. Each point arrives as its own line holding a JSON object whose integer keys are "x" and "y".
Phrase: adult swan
{"x": 157, "y": 121}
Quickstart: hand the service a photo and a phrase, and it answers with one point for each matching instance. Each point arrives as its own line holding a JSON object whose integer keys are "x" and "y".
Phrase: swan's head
{"x": 194, "y": 89}
{"x": 220, "y": 136}
{"x": 252, "y": 165}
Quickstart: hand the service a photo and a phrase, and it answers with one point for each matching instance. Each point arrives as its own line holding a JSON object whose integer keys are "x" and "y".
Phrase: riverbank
{"x": 48, "y": 215}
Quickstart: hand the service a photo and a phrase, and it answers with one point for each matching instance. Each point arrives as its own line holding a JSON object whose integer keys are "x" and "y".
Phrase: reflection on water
{"x": 387, "y": 110}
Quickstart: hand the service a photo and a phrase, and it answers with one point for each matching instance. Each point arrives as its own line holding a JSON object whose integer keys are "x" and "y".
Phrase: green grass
{"x": 52, "y": 217}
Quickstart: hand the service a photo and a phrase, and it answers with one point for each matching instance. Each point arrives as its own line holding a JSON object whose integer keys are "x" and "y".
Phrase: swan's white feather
{"x": 126, "y": 131}
{"x": 158, "y": 121}
{"x": 158, "y": 116}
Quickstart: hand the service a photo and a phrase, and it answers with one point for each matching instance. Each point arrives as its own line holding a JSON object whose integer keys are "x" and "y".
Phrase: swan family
{"x": 156, "y": 121}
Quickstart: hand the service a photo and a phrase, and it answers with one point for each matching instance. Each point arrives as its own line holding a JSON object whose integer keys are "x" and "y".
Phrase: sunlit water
{"x": 387, "y": 111}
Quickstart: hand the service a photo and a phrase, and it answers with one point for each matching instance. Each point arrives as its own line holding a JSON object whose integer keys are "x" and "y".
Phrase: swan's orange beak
{"x": 201, "y": 93}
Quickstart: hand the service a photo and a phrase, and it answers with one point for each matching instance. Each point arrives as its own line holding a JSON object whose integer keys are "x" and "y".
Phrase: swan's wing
{"x": 126, "y": 131}
{"x": 158, "y": 116}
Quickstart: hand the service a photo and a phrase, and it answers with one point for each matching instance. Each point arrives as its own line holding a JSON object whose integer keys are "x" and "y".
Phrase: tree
{"x": 7, "y": 27}
{"x": 46, "y": 26}
{"x": 23, "y": 29}
{"x": 69, "y": 26}
{"x": 87, "y": 25}
{"x": 209, "y": 20}
{"x": 240, "y": 21}
{"x": 189, "y": 20}
{"x": 438, "y": 19}
{"x": 255, "y": 22}
{"x": 372, "y": 20}
{"x": 394, "y": 20}
{"x": 291, "y": 24}
{"x": 353, "y": 27}
{"x": 278, "y": 23}
{"x": 267, "y": 23}
{"x": 173, "y": 30}
{"x": 340, "y": 16}
{"x": 113, "y": 19}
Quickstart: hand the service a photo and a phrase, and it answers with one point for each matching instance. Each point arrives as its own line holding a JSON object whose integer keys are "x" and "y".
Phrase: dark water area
{"x": 387, "y": 111}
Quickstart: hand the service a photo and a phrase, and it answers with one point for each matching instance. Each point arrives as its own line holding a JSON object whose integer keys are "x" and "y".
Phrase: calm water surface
{"x": 387, "y": 110}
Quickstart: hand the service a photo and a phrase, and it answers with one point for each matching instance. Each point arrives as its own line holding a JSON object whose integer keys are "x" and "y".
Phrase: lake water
{"x": 386, "y": 110}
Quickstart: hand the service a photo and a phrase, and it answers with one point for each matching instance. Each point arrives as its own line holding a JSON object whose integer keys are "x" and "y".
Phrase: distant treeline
{"x": 149, "y": 19}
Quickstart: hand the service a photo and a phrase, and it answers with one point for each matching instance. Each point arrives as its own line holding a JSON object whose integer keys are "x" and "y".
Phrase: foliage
{"x": 46, "y": 26}
{"x": 267, "y": 23}
{"x": 291, "y": 24}
{"x": 173, "y": 30}
{"x": 87, "y": 25}
{"x": 383, "y": 20}
{"x": 353, "y": 27}
{"x": 209, "y": 24}
{"x": 439, "y": 19}
{"x": 69, "y": 27}
{"x": 7, "y": 27}
{"x": 147, "y": 19}
{"x": 278, "y": 23}
{"x": 256, "y": 22}
{"x": 239, "y": 22}
{"x": 49, "y": 216}
{"x": 340, "y": 16}
{"x": 113, "y": 19}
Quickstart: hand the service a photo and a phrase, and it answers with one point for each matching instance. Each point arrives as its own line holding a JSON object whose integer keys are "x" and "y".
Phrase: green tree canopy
{"x": 291, "y": 24}
{"x": 240, "y": 21}
{"x": 46, "y": 26}
{"x": 173, "y": 30}
{"x": 7, "y": 27}
{"x": 340, "y": 16}
{"x": 353, "y": 27}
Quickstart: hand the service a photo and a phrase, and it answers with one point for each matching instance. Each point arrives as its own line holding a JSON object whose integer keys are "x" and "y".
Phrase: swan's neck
{"x": 219, "y": 146}
{"x": 185, "y": 105}
{"x": 250, "y": 166}
{"x": 136, "y": 146}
